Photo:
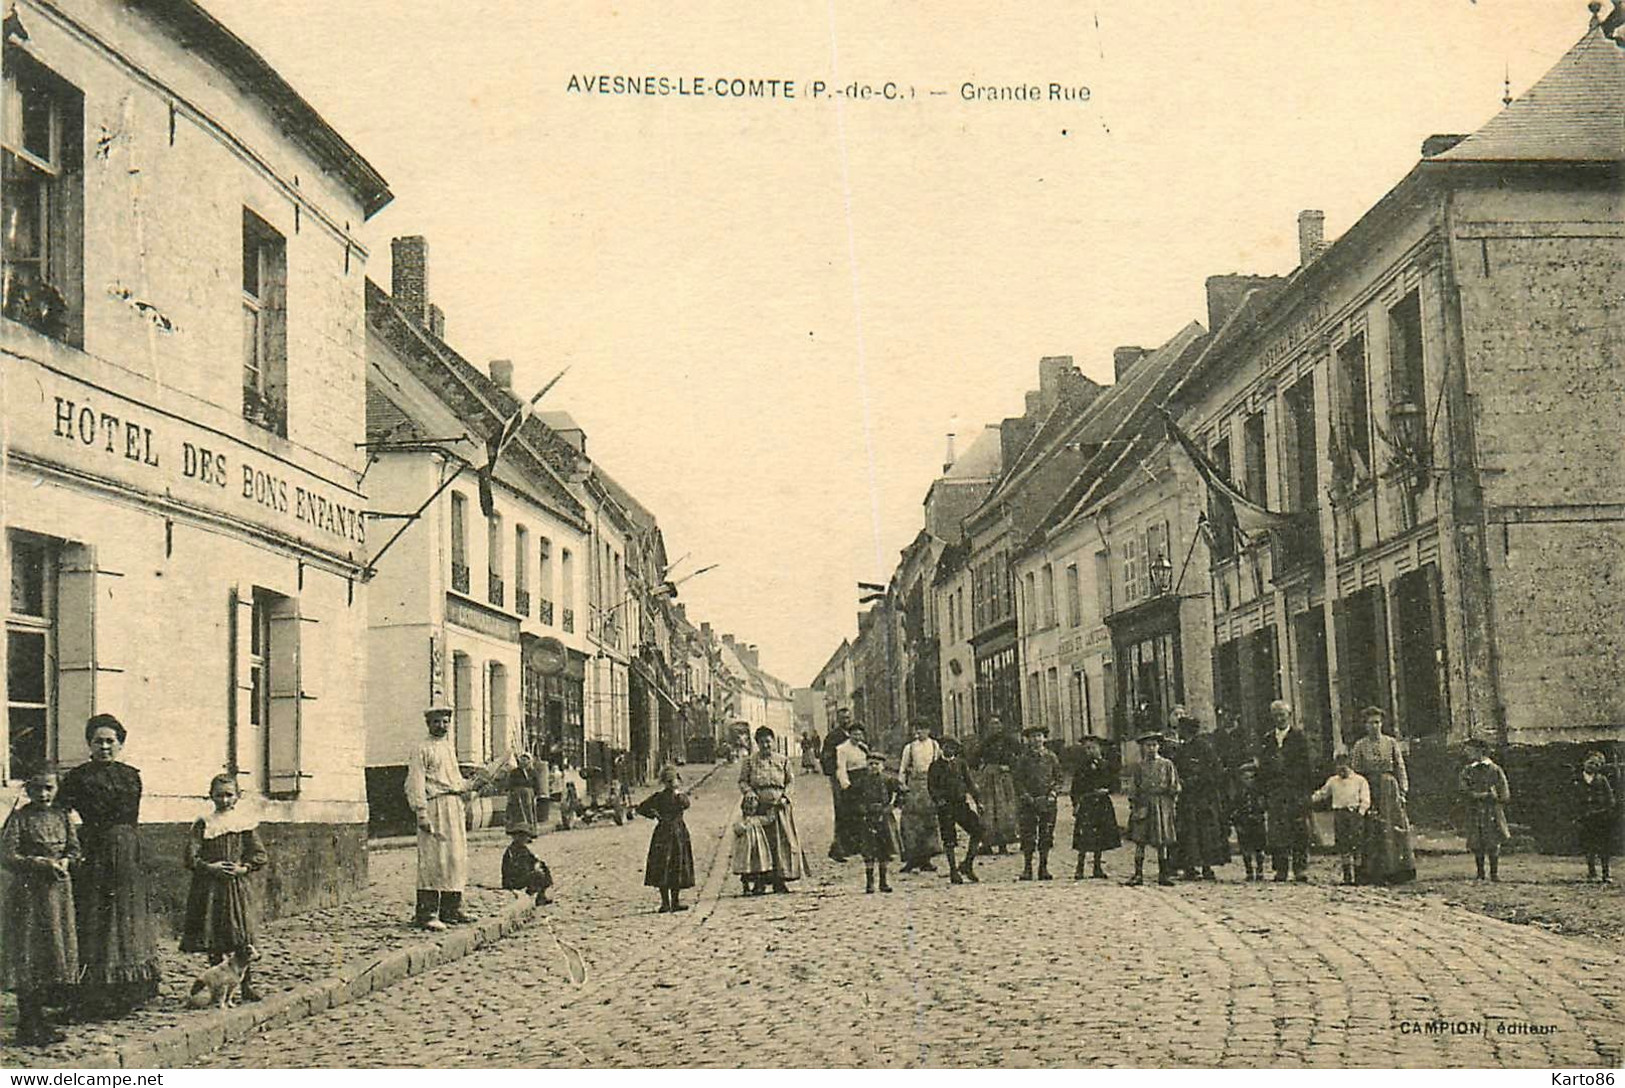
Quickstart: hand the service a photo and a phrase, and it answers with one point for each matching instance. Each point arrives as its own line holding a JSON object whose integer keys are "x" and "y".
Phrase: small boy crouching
{"x": 523, "y": 871}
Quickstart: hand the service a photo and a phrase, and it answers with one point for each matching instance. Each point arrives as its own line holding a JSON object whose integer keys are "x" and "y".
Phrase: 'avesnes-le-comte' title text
{"x": 791, "y": 90}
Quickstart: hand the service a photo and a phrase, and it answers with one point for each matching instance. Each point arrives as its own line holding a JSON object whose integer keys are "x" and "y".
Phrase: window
{"x": 1405, "y": 354}
{"x": 1049, "y": 595}
{"x": 521, "y": 570}
{"x": 1074, "y": 597}
{"x": 496, "y": 710}
{"x": 493, "y": 560}
{"x": 1052, "y": 701}
{"x": 42, "y": 172}
{"x": 1353, "y": 411}
{"x": 30, "y": 654}
{"x": 962, "y": 631}
{"x": 1220, "y": 517}
{"x": 1035, "y": 702}
{"x": 567, "y": 591}
{"x": 459, "y": 542}
{"x": 275, "y": 677}
{"x": 462, "y": 701}
{"x": 1300, "y": 406}
{"x": 1029, "y": 600}
{"x": 952, "y": 635}
{"x": 1133, "y": 568}
{"x": 1256, "y": 463}
{"x": 265, "y": 336}
{"x": 1103, "y": 584}
{"x": 544, "y": 583}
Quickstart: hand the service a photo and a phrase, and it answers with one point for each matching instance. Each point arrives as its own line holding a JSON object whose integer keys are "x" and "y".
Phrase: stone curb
{"x": 208, "y": 1031}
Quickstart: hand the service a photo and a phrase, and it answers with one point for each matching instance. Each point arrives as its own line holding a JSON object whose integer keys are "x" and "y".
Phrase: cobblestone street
{"x": 1001, "y": 974}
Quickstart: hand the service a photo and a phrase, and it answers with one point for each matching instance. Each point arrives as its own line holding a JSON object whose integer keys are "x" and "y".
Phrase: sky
{"x": 775, "y": 310}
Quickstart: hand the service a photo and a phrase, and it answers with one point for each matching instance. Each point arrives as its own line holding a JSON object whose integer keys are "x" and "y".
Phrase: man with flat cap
{"x": 436, "y": 790}
{"x": 1037, "y": 772}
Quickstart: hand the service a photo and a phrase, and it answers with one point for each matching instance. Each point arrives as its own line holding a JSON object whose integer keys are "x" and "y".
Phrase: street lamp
{"x": 1162, "y": 573}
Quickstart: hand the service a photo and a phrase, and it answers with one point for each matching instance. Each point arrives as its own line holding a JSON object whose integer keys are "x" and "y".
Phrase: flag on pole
{"x": 500, "y": 439}
{"x": 1249, "y": 517}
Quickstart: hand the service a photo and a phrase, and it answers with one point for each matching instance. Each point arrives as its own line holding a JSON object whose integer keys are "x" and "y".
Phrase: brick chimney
{"x": 1311, "y": 234}
{"x": 1224, "y": 295}
{"x": 948, "y": 459}
{"x": 1014, "y": 434}
{"x": 1123, "y": 360}
{"x": 705, "y": 630}
{"x": 409, "y": 276}
{"x": 437, "y": 321}
{"x": 747, "y": 654}
{"x": 502, "y": 374}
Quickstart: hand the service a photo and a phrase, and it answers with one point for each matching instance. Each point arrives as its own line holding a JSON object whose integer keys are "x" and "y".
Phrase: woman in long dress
{"x": 767, "y": 775}
{"x": 118, "y": 951}
{"x": 998, "y": 787}
{"x": 922, "y": 841}
{"x": 1390, "y": 847}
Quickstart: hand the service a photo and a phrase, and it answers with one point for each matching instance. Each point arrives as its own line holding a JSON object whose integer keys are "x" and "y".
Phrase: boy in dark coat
{"x": 953, "y": 791}
{"x": 1037, "y": 772}
{"x": 1247, "y": 813}
{"x": 1599, "y": 815}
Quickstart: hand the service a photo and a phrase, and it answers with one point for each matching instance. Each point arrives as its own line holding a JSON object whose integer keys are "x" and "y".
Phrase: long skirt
{"x": 40, "y": 948}
{"x": 752, "y": 851}
{"x": 1094, "y": 824}
{"x": 1286, "y": 828}
{"x": 1389, "y": 849}
{"x": 1204, "y": 838}
{"x": 1486, "y": 826}
{"x": 1152, "y": 823}
{"x": 220, "y": 913}
{"x": 118, "y": 950}
{"x": 521, "y": 809}
{"x": 443, "y": 849}
{"x": 1000, "y": 820}
{"x": 921, "y": 839}
{"x": 789, "y": 860}
{"x": 671, "y": 856}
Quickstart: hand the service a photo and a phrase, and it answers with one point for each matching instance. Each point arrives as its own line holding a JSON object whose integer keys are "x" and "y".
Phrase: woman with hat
{"x": 1389, "y": 854}
{"x": 1153, "y": 790}
{"x": 118, "y": 950}
{"x": 766, "y": 775}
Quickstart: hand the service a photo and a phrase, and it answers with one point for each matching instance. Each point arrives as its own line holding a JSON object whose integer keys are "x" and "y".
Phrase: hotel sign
{"x": 101, "y": 434}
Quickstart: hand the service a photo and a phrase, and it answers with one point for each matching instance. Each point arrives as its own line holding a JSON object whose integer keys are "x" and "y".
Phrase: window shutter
{"x": 80, "y": 661}
{"x": 244, "y": 743}
{"x": 287, "y": 696}
{"x": 1345, "y": 670}
{"x": 1379, "y": 625}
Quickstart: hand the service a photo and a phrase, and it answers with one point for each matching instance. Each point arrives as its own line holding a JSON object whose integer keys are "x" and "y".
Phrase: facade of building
{"x": 182, "y": 386}
{"x": 467, "y": 601}
{"x": 1435, "y": 397}
{"x": 1103, "y": 648}
{"x": 964, "y": 483}
{"x": 1038, "y": 467}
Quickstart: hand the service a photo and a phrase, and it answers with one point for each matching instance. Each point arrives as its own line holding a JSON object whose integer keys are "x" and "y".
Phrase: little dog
{"x": 218, "y": 985}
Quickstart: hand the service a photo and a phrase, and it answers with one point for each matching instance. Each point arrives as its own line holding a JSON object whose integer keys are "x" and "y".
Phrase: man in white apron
{"x": 436, "y": 790}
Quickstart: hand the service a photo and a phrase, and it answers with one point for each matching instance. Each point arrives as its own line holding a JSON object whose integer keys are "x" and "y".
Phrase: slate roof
{"x": 1126, "y": 421}
{"x": 1574, "y": 113}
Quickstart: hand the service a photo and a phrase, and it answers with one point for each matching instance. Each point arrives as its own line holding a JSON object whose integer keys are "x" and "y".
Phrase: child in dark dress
{"x": 523, "y": 871}
{"x": 1248, "y": 816}
{"x": 1599, "y": 815}
{"x": 1094, "y": 820}
{"x": 40, "y": 952}
{"x": 671, "y": 853}
{"x": 222, "y": 917}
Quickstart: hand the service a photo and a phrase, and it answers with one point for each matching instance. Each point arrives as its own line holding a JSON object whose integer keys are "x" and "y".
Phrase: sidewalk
{"x": 308, "y": 962}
